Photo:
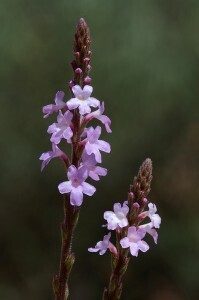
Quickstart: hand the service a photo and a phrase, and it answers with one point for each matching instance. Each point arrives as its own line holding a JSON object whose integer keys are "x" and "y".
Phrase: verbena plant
{"x": 130, "y": 221}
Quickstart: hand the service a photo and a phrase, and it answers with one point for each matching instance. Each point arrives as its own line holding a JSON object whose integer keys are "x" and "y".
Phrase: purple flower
{"x": 89, "y": 162}
{"x": 134, "y": 241}
{"x": 82, "y": 99}
{"x": 76, "y": 185}
{"x": 61, "y": 129}
{"x": 59, "y": 104}
{"x": 118, "y": 217}
{"x": 155, "y": 218}
{"x": 150, "y": 230}
{"x": 98, "y": 114}
{"x": 47, "y": 156}
{"x": 93, "y": 145}
{"x": 101, "y": 246}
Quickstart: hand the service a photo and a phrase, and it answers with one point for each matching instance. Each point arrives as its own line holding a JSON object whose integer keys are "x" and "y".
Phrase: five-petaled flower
{"x": 98, "y": 114}
{"x": 117, "y": 217}
{"x": 83, "y": 99}
{"x": 102, "y": 246}
{"x": 47, "y": 156}
{"x": 89, "y": 162}
{"x": 150, "y": 230}
{"x": 61, "y": 129}
{"x": 94, "y": 145}
{"x": 134, "y": 241}
{"x": 59, "y": 104}
{"x": 76, "y": 185}
{"x": 155, "y": 218}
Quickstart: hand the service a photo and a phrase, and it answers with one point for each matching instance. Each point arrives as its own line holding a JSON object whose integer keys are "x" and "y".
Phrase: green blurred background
{"x": 146, "y": 69}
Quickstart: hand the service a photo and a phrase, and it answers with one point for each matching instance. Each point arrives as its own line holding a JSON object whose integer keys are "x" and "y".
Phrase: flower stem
{"x": 119, "y": 267}
{"x": 60, "y": 281}
{"x": 81, "y": 67}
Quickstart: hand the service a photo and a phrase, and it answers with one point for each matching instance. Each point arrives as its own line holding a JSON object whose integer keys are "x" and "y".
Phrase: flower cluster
{"x": 71, "y": 126}
{"x": 132, "y": 235}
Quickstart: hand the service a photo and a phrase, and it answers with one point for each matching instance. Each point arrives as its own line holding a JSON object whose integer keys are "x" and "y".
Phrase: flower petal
{"x": 143, "y": 246}
{"x": 88, "y": 189}
{"x": 125, "y": 242}
{"x": 77, "y": 91}
{"x": 84, "y": 107}
{"x": 134, "y": 249}
{"x": 104, "y": 146}
{"x": 65, "y": 187}
{"x": 87, "y": 91}
{"x": 76, "y": 196}
{"x": 73, "y": 103}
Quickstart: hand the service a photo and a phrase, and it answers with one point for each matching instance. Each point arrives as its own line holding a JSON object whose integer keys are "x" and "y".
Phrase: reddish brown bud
{"x": 82, "y": 51}
{"x": 142, "y": 182}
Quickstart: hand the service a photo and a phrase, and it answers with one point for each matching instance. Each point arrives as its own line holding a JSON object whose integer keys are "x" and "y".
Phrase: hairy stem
{"x": 119, "y": 267}
{"x": 60, "y": 281}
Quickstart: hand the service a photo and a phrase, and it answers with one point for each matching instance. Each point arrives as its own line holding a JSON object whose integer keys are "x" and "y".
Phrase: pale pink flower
{"x": 94, "y": 145}
{"x": 76, "y": 185}
{"x": 89, "y": 162}
{"x": 150, "y": 230}
{"x": 83, "y": 99}
{"x": 98, "y": 114}
{"x": 61, "y": 129}
{"x": 102, "y": 246}
{"x": 117, "y": 217}
{"x": 155, "y": 218}
{"x": 59, "y": 104}
{"x": 134, "y": 241}
{"x": 47, "y": 156}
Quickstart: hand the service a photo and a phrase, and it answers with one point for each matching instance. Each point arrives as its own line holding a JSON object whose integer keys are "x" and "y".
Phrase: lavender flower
{"x": 61, "y": 129}
{"x": 98, "y": 114}
{"x": 89, "y": 162}
{"x": 118, "y": 217}
{"x": 148, "y": 228}
{"x": 134, "y": 241}
{"x": 59, "y": 104}
{"x": 82, "y": 99}
{"x": 94, "y": 145}
{"x": 102, "y": 246}
{"x": 47, "y": 156}
{"x": 76, "y": 185}
{"x": 155, "y": 218}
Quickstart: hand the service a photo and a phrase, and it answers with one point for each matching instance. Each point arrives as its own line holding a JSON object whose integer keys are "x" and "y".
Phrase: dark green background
{"x": 146, "y": 69}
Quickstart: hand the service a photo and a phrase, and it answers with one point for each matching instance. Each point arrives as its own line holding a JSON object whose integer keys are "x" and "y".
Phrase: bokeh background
{"x": 146, "y": 69}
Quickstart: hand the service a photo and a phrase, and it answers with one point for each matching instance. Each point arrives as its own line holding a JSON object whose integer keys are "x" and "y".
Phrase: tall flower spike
{"x": 84, "y": 150}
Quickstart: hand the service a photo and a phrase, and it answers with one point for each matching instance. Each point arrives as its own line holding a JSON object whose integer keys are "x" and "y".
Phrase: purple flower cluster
{"x": 85, "y": 139}
{"x": 132, "y": 235}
